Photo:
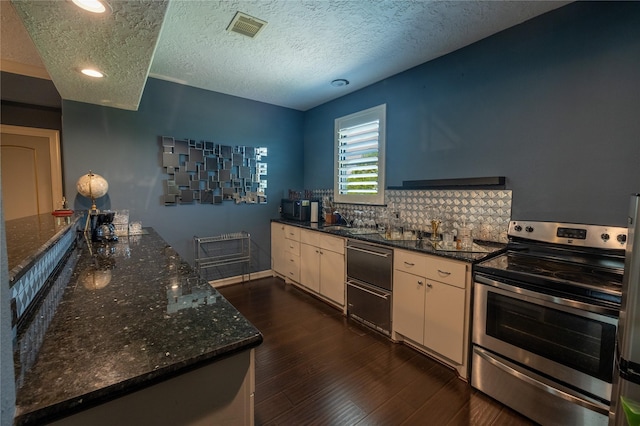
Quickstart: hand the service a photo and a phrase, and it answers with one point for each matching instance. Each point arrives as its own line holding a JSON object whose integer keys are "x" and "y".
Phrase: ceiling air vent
{"x": 246, "y": 25}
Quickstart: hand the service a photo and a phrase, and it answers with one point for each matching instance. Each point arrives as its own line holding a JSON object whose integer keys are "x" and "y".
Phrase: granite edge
{"x": 82, "y": 402}
{"x": 19, "y": 270}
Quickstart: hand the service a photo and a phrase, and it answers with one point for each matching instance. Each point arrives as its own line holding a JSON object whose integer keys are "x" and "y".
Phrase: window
{"x": 359, "y": 152}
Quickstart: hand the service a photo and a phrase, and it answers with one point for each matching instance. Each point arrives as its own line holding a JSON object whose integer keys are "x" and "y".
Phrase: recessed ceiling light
{"x": 339, "y": 82}
{"x": 94, "y": 6}
{"x": 92, "y": 73}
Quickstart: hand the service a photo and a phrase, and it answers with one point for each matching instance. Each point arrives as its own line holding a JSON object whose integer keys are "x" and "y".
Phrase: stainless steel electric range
{"x": 545, "y": 320}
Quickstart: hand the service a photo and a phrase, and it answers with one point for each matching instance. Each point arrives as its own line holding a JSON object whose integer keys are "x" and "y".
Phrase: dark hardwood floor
{"x": 317, "y": 367}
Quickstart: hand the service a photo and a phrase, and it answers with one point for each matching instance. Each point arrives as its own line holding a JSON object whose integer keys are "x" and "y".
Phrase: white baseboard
{"x": 240, "y": 278}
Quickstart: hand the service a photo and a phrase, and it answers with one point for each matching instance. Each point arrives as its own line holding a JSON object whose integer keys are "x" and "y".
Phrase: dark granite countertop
{"x": 485, "y": 248}
{"x": 29, "y": 237}
{"x": 133, "y": 313}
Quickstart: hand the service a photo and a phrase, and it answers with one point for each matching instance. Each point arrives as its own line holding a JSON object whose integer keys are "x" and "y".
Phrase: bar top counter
{"x": 29, "y": 237}
{"x": 132, "y": 314}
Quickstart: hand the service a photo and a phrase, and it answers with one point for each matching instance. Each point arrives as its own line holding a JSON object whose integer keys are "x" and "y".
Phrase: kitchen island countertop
{"x": 133, "y": 314}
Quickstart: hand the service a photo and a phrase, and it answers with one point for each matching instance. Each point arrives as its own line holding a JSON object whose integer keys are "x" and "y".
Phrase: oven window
{"x": 580, "y": 343}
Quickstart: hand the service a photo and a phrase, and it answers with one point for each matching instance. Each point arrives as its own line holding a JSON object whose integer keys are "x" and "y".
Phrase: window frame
{"x": 361, "y": 117}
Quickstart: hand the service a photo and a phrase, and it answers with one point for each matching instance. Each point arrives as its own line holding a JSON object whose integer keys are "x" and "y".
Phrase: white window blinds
{"x": 360, "y": 157}
{"x": 358, "y": 162}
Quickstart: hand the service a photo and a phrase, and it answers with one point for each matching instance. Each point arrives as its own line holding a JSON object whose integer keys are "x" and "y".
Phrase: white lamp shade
{"x": 92, "y": 186}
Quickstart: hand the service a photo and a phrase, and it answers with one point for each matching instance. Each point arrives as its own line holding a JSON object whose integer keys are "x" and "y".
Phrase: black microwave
{"x": 299, "y": 210}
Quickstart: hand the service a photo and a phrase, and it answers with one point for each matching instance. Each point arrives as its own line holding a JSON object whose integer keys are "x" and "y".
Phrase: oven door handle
{"x": 375, "y": 253}
{"x": 370, "y": 291}
{"x": 589, "y": 309}
{"x": 540, "y": 385}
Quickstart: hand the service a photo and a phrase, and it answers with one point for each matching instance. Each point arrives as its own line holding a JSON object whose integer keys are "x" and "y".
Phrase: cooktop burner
{"x": 592, "y": 277}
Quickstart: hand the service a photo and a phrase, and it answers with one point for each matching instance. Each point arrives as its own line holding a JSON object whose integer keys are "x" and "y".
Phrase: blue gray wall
{"x": 552, "y": 104}
{"x": 123, "y": 147}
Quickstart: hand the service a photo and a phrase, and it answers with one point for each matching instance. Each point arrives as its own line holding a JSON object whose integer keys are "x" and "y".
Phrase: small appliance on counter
{"x": 304, "y": 210}
{"x": 102, "y": 228}
{"x": 315, "y": 208}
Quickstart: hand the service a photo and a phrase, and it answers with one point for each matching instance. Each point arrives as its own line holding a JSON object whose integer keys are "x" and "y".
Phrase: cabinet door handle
{"x": 445, "y": 273}
{"x": 409, "y": 263}
{"x": 429, "y": 285}
{"x": 420, "y": 282}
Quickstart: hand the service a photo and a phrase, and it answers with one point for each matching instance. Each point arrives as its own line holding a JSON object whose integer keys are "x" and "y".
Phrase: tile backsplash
{"x": 486, "y": 211}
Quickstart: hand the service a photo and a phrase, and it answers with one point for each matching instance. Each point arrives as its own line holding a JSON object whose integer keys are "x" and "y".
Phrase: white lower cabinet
{"x": 285, "y": 251}
{"x": 322, "y": 265}
{"x": 444, "y": 320}
{"x": 311, "y": 259}
{"x": 310, "y": 267}
{"x": 408, "y": 305}
{"x": 431, "y": 294}
{"x": 332, "y": 276}
{"x": 432, "y": 314}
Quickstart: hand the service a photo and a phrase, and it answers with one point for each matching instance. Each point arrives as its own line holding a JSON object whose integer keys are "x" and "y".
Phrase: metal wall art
{"x": 209, "y": 173}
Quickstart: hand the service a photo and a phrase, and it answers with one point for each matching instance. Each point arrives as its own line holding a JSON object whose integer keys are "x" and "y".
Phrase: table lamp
{"x": 92, "y": 186}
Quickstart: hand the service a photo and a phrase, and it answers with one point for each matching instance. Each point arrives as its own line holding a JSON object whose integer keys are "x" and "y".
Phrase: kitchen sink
{"x": 335, "y": 228}
{"x": 350, "y": 230}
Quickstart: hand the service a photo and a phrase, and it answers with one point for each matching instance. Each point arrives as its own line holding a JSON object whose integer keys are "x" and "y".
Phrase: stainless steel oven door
{"x": 567, "y": 340}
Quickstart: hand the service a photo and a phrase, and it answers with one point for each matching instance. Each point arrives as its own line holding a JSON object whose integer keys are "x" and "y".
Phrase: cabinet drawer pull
{"x": 445, "y": 273}
{"x": 409, "y": 263}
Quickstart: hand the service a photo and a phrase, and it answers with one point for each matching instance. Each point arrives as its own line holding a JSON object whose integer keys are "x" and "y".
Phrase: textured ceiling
{"x": 121, "y": 44}
{"x": 291, "y": 62}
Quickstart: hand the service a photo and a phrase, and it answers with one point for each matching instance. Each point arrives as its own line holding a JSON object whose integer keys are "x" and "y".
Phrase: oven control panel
{"x": 575, "y": 234}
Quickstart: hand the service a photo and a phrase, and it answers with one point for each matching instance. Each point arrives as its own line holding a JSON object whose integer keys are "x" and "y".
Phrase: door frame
{"x": 53, "y": 136}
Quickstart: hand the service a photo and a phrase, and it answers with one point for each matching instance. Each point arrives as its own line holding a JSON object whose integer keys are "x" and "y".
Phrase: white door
{"x": 31, "y": 171}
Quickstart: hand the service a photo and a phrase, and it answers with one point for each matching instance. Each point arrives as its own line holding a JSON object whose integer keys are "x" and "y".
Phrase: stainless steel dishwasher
{"x": 369, "y": 284}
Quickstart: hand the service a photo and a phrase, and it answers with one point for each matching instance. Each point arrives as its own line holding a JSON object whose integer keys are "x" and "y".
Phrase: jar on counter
{"x": 465, "y": 238}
